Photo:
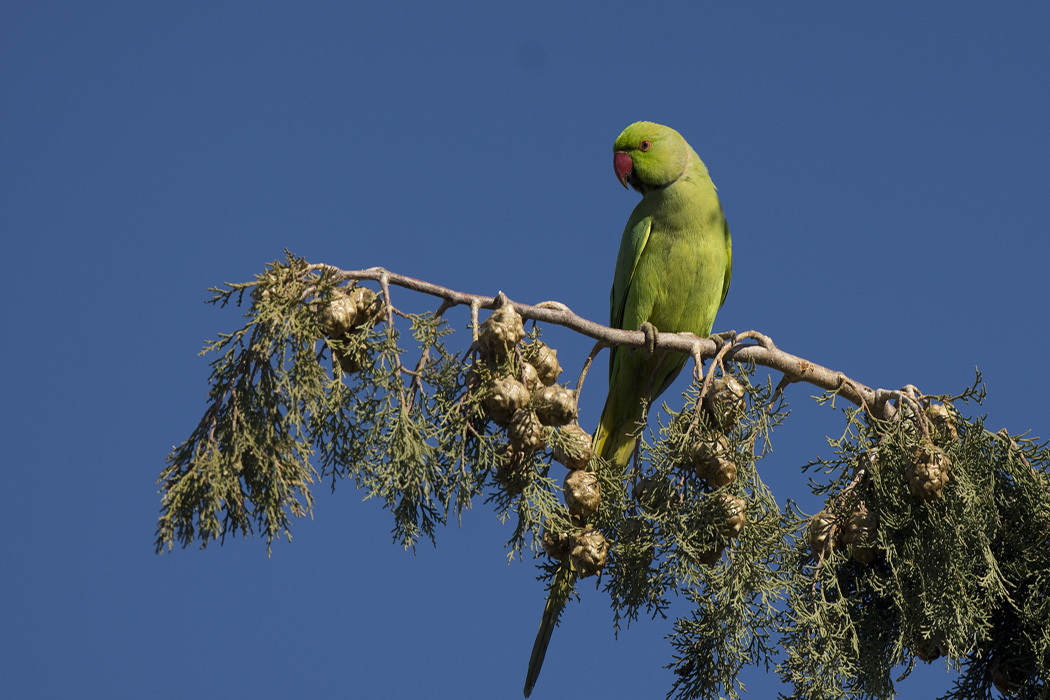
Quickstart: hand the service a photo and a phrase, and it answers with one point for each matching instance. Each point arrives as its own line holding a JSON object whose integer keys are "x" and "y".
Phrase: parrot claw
{"x": 650, "y": 337}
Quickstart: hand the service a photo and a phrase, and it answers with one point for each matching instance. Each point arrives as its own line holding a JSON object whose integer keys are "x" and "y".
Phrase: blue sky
{"x": 883, "y": 168}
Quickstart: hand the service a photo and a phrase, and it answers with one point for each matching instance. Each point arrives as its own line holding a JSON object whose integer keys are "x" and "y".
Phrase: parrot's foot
{"x": 650, "y": 337}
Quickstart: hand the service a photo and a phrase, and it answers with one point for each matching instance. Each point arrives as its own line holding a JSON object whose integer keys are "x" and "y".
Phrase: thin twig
{"x": 587, "y": 364}
{"x": 417, "y": 382}
{"x": 475, "y": 304}
{"x": 384, "y": 283}
{"x": 785, "y": 380}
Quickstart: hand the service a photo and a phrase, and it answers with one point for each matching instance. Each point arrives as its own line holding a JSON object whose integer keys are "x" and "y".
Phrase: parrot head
{"x": 647, "y": 156}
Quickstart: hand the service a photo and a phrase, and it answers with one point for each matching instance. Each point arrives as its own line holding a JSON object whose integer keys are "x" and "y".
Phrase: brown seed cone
{"x": 339, "y": 315}
{"x": 525, "y": 432}
{"x": 860, "y": 535}
{"x": 928, "y": 473}
{"x": 736, "y": 512}
{"x": 511, "y": 470}
{"x": 529, "y": 377}
{"x": 583, "y": 495}
{"x": 589, "y": 552}
{"x": 865, "y": 555}
{"x": 651, "y": 492}
{"x": 1006, "y": 677}
{"x": 557, "y": 545}
{"x": 943, "y": 418}
{"x": 927, "y": 650}
{"x": 500, "y": 332}
{"x": 555, "y": 405}
{"x": 711, "y": 556}
{"x": 726, "y": 400}
{"x": 713, "y": 461}
{"x": 637, "y": 529}
{"x": 369, "y": 307}
{"x": 576, "y": 452}
{"x": 820, "y": 540}
{"x": 351, "y": 360}
{"x": 545, "y": 360}
{"x": 504, "y": 398}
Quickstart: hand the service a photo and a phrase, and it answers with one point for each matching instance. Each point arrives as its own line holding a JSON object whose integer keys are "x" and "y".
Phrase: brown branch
{"x": 417, "y": 376}
{"x": 762, "y": 351}
{"x": 384, "y": 284}
{"x": 587, "y": 365}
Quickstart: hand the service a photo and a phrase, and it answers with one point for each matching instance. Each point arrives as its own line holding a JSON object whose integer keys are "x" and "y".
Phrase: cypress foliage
{"x": 933, "y": 542}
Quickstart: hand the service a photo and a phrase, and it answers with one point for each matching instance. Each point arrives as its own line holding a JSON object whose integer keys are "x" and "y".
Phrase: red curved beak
{"x": 623, "y": 165}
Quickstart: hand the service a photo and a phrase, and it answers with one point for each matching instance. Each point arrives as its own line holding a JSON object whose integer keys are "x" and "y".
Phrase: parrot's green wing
{"x": 729, "y": 263}
{"x": 673, "y": 271}
{"x": 626, "y": 266}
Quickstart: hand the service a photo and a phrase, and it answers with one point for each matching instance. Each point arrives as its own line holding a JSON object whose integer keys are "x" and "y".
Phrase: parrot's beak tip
{"x": 623, "y": 166}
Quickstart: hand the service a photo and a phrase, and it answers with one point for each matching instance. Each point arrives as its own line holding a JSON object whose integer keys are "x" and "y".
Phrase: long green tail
{"x": 614, "y": 441}
{"x": 633, "y": 380}
{"x": 561, "y": 589}
{"x": 616, "y": 435}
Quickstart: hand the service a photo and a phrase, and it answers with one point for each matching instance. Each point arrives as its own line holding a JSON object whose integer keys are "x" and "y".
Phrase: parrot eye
{"x": 645, "y": 146}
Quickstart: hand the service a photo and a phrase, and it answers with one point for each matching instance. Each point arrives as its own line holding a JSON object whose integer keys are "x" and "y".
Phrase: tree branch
{"x": 761, "y": 350}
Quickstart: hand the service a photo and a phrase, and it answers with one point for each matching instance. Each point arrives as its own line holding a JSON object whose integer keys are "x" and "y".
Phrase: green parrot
{"x": 672, "y": 275}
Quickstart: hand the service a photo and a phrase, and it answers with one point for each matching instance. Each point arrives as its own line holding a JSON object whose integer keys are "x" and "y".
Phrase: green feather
{"x": 561, "y": 589}
{"x": 673, "y": 271}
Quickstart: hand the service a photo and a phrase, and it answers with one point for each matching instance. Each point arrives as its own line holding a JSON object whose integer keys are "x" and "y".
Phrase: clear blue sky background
{"x": 884, "y": 169}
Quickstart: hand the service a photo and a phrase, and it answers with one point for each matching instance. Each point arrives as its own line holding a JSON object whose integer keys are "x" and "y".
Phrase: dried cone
{"x": 575, "y": 450}
{"x": 557, "y": 545}
{"x": 525, "y": 431}
{"x": 1006, "y": 677}
{"x": 589, "y": 552}
{"x": 943, "y": 419}
{"x": 344, "y": 313}
{"x": 861, "y": 527}
{"x": 726, "y": 400}
{"x": 582, "y": 493}
{"x": 820, "y": 540}
{"x": 529, "y": 377}
{"x": 369, "y": 309}
{"x": 736, "y": 510}
{"x": 927, "y": 650}
{"x": 555, "y": 405}
{"x": 510, "y": 471}
{"x": 350, "y": 361}
{"x": 711, "y": 556}
{"x": 340, "y": 314}
{"x": 350, "y": 356}
{"x": 504, "y": 398}
{"x": 735, "y": 519}
{"x": 928, "y": 473}
{"x": 639, "y": 530}
{"x": 545, "y": 360}
{"x": 500, "y": 332}
{"x": 713, "y": 461}
{"x": 651, "y": 492}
